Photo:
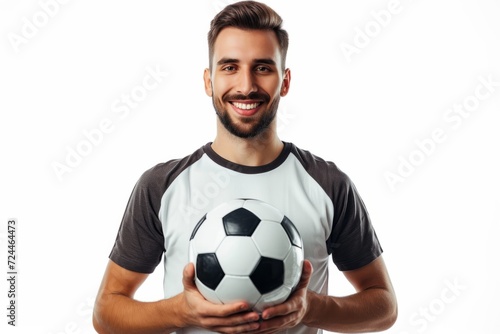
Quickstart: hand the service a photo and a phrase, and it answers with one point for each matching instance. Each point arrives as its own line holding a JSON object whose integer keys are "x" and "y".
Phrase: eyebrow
{"x": 267, "y": 61}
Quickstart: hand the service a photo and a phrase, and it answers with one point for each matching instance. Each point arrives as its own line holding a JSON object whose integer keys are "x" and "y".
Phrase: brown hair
{"x": 248, "y": 15}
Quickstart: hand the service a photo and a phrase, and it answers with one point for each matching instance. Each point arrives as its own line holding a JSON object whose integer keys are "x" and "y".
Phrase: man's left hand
{"x": 290, "y": 313}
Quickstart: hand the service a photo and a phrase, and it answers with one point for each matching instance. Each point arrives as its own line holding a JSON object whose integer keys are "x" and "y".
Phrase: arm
{"x": 372, "y": 308}
{"x": 115, "y": 310}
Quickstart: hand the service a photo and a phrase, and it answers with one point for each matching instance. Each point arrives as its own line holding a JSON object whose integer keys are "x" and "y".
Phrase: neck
{"x": 257, "y": 151}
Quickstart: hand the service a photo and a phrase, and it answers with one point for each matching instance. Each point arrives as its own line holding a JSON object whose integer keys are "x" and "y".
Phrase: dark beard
{"x": 263, "y": 123}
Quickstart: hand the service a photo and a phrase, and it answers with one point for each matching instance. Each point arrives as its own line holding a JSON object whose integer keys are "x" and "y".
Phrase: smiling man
{"x": 246, "y": 78}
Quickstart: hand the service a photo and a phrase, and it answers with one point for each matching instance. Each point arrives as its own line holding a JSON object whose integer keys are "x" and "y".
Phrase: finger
{"x": 235, "y": 319}
{"x": 274, "y": 325}
{"x": 243, "y": 321}
{"x": 280, "y": 310}
{"x": 294, "y": 300}
{"x": 307, "y": 270}
{"x": 277, "y": 324}
{"x": 188, "y": 273}
{"x": 235, "y": 309}
{"x": 208, "y": 308}
{"x": 188, "y": 277}
{"x": 243, "y": 328}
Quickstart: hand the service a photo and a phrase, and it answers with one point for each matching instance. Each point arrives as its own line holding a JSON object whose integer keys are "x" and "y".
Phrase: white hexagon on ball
{"x": 208, "y": 293}
{"x": 237, "y": 255}
{"x": 271, "y": 240}
{"x": 213, "y": 228}
{"x": 237, "y": 288}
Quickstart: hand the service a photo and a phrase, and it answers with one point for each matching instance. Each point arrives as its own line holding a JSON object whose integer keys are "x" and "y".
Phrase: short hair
{"x": 248, "y": 15}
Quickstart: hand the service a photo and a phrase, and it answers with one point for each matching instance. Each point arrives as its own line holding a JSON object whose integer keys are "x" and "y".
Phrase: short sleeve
{"x": 353, "y": 242}
{"x": 139, "y": 245}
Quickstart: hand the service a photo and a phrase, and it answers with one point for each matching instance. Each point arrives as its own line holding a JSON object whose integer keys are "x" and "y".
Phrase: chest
{"x": 205, "y": 185}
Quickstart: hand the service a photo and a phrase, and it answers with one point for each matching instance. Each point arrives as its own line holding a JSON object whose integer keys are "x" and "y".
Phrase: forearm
{"x": 115, "y": 313}
{"x": 370, "y": 310}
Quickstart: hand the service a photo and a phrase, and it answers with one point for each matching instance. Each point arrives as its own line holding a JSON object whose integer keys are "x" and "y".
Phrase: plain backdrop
{"x": 376, "y": 88}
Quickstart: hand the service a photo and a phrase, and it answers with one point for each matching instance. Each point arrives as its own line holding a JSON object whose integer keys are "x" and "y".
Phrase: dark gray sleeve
{"x": 353, "y": 242}
{"x": 139, "y": 245}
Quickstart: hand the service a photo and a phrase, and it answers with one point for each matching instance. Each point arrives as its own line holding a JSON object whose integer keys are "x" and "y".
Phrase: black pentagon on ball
{"x": 208, "y": 270}
{"x": 292, "y": 232}
{"x": 268, "y": 275}
{"x": 240, "y": 222}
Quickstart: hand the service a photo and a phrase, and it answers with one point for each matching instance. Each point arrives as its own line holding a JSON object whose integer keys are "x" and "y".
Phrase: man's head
{"x": 247, "y": 74}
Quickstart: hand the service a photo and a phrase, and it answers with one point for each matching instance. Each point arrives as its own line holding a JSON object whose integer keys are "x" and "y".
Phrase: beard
{"x": 250, "y": 127}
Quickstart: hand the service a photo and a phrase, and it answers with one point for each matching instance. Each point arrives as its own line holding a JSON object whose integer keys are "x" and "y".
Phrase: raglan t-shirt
{"x": 170, "y": 198}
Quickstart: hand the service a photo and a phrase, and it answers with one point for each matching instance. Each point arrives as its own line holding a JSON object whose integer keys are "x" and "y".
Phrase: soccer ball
{"x": 246, "y": 250}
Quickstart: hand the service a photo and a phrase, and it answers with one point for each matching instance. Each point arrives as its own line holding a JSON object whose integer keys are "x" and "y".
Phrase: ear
{"x": 285, "y": 85}
{"x": 208, "y": 82}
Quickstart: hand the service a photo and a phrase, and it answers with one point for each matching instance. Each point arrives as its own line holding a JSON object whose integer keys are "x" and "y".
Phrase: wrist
{"x": 312, "y": 300}
{"x": 181, "y": 309}
{"x": 318, "y": 306}
{"x": 173, "y": 312}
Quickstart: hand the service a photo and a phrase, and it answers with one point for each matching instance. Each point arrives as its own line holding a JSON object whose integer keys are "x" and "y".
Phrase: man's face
{"x": 246, "y": 80}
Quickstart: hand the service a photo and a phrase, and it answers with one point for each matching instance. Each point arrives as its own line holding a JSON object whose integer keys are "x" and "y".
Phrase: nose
{"x": 246, "y": 83}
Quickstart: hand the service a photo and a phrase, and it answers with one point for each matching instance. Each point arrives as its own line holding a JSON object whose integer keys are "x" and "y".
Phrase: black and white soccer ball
{"x": 246, "y": 250}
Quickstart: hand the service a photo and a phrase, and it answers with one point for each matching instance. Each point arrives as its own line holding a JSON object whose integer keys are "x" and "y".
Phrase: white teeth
{"x": 246, "y": 106}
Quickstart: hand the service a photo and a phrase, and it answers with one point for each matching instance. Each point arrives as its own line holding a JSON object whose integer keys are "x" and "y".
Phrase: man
{"x": 246, "y": 79}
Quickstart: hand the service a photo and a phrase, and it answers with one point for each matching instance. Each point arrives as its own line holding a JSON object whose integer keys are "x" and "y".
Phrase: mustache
{"x": 252, "y": 96}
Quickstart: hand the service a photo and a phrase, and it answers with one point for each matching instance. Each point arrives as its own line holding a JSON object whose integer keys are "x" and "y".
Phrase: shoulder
{"x": 325, "y": 172}
{"x": 163, "y": 174}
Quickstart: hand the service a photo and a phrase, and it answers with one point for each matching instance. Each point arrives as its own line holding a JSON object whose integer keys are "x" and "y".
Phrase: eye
{"x": 262, "y": 69}
{"x": 229, "y": 68}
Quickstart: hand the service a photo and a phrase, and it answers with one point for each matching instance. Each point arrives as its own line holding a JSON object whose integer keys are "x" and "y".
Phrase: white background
{"x": 438, "y": 224}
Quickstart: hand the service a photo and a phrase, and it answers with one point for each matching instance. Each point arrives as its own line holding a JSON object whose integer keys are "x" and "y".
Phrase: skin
{"x": 256, "y": 69}
{"x": 246, "y": 68}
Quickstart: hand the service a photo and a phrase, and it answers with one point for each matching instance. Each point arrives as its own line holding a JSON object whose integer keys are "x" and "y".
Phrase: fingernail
{"x": 255, "y": 325}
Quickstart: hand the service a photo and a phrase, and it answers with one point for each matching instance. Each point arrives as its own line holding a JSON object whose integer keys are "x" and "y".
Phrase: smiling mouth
{"x": 246, "y": 105}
